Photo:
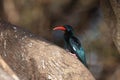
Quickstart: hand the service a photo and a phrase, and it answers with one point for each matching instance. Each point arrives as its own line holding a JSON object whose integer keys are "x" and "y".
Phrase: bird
{"x": 72, "y": 43}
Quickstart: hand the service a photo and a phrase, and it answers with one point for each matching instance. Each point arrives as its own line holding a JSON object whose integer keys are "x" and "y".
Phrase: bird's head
{"x": 65, "y": 28}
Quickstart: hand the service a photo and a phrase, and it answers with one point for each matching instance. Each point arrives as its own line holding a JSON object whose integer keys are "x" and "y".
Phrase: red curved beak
{"x": 59, "y": 28}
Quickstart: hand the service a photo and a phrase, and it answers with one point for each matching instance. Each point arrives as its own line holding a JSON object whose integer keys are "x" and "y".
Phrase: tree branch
{"x": 32, "y": 57}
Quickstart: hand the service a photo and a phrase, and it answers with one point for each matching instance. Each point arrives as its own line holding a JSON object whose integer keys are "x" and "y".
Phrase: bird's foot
{"x": 71, "y": 53}
{"x": 67, "y": 50}
{"x": 74, "y": 55}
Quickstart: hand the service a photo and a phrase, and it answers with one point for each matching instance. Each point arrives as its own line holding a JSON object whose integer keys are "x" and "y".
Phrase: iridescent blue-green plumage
{"x": 74, "y": 45}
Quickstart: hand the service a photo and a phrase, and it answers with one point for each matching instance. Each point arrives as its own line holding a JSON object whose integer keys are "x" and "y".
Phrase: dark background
{"x": 86, "y": 17}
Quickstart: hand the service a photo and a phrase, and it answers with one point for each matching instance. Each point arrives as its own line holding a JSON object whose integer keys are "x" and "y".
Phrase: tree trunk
{"x": 111, "y": 10}
{"x": 32, "y": 58}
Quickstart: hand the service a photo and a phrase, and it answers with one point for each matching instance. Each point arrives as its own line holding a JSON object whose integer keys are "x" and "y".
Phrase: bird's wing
{"x": 77, "y": 48}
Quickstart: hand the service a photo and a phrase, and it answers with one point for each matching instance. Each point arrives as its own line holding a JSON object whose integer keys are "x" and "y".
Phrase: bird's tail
{"x": 81, "y": 56}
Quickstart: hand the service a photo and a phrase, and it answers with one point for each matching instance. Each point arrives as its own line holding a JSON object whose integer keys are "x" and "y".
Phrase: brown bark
{"x": 115, "y": 75}
{"x": 4, "y": 75}
{"x": 33, "y": 58}
{"x": 5, "y": 71}
{"x": 10, "y": 11}
{"x": 2, "y": 15}
{"x": 111, "y": 10}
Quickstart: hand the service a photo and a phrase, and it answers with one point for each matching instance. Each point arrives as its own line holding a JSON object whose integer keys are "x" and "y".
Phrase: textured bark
{"x": 115, "y": 75}
{"x": 4, "y": 75}
{"x": 5, "y": 71}
{"x": 33, "y": 58}
{"x": 111, "y": 10}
